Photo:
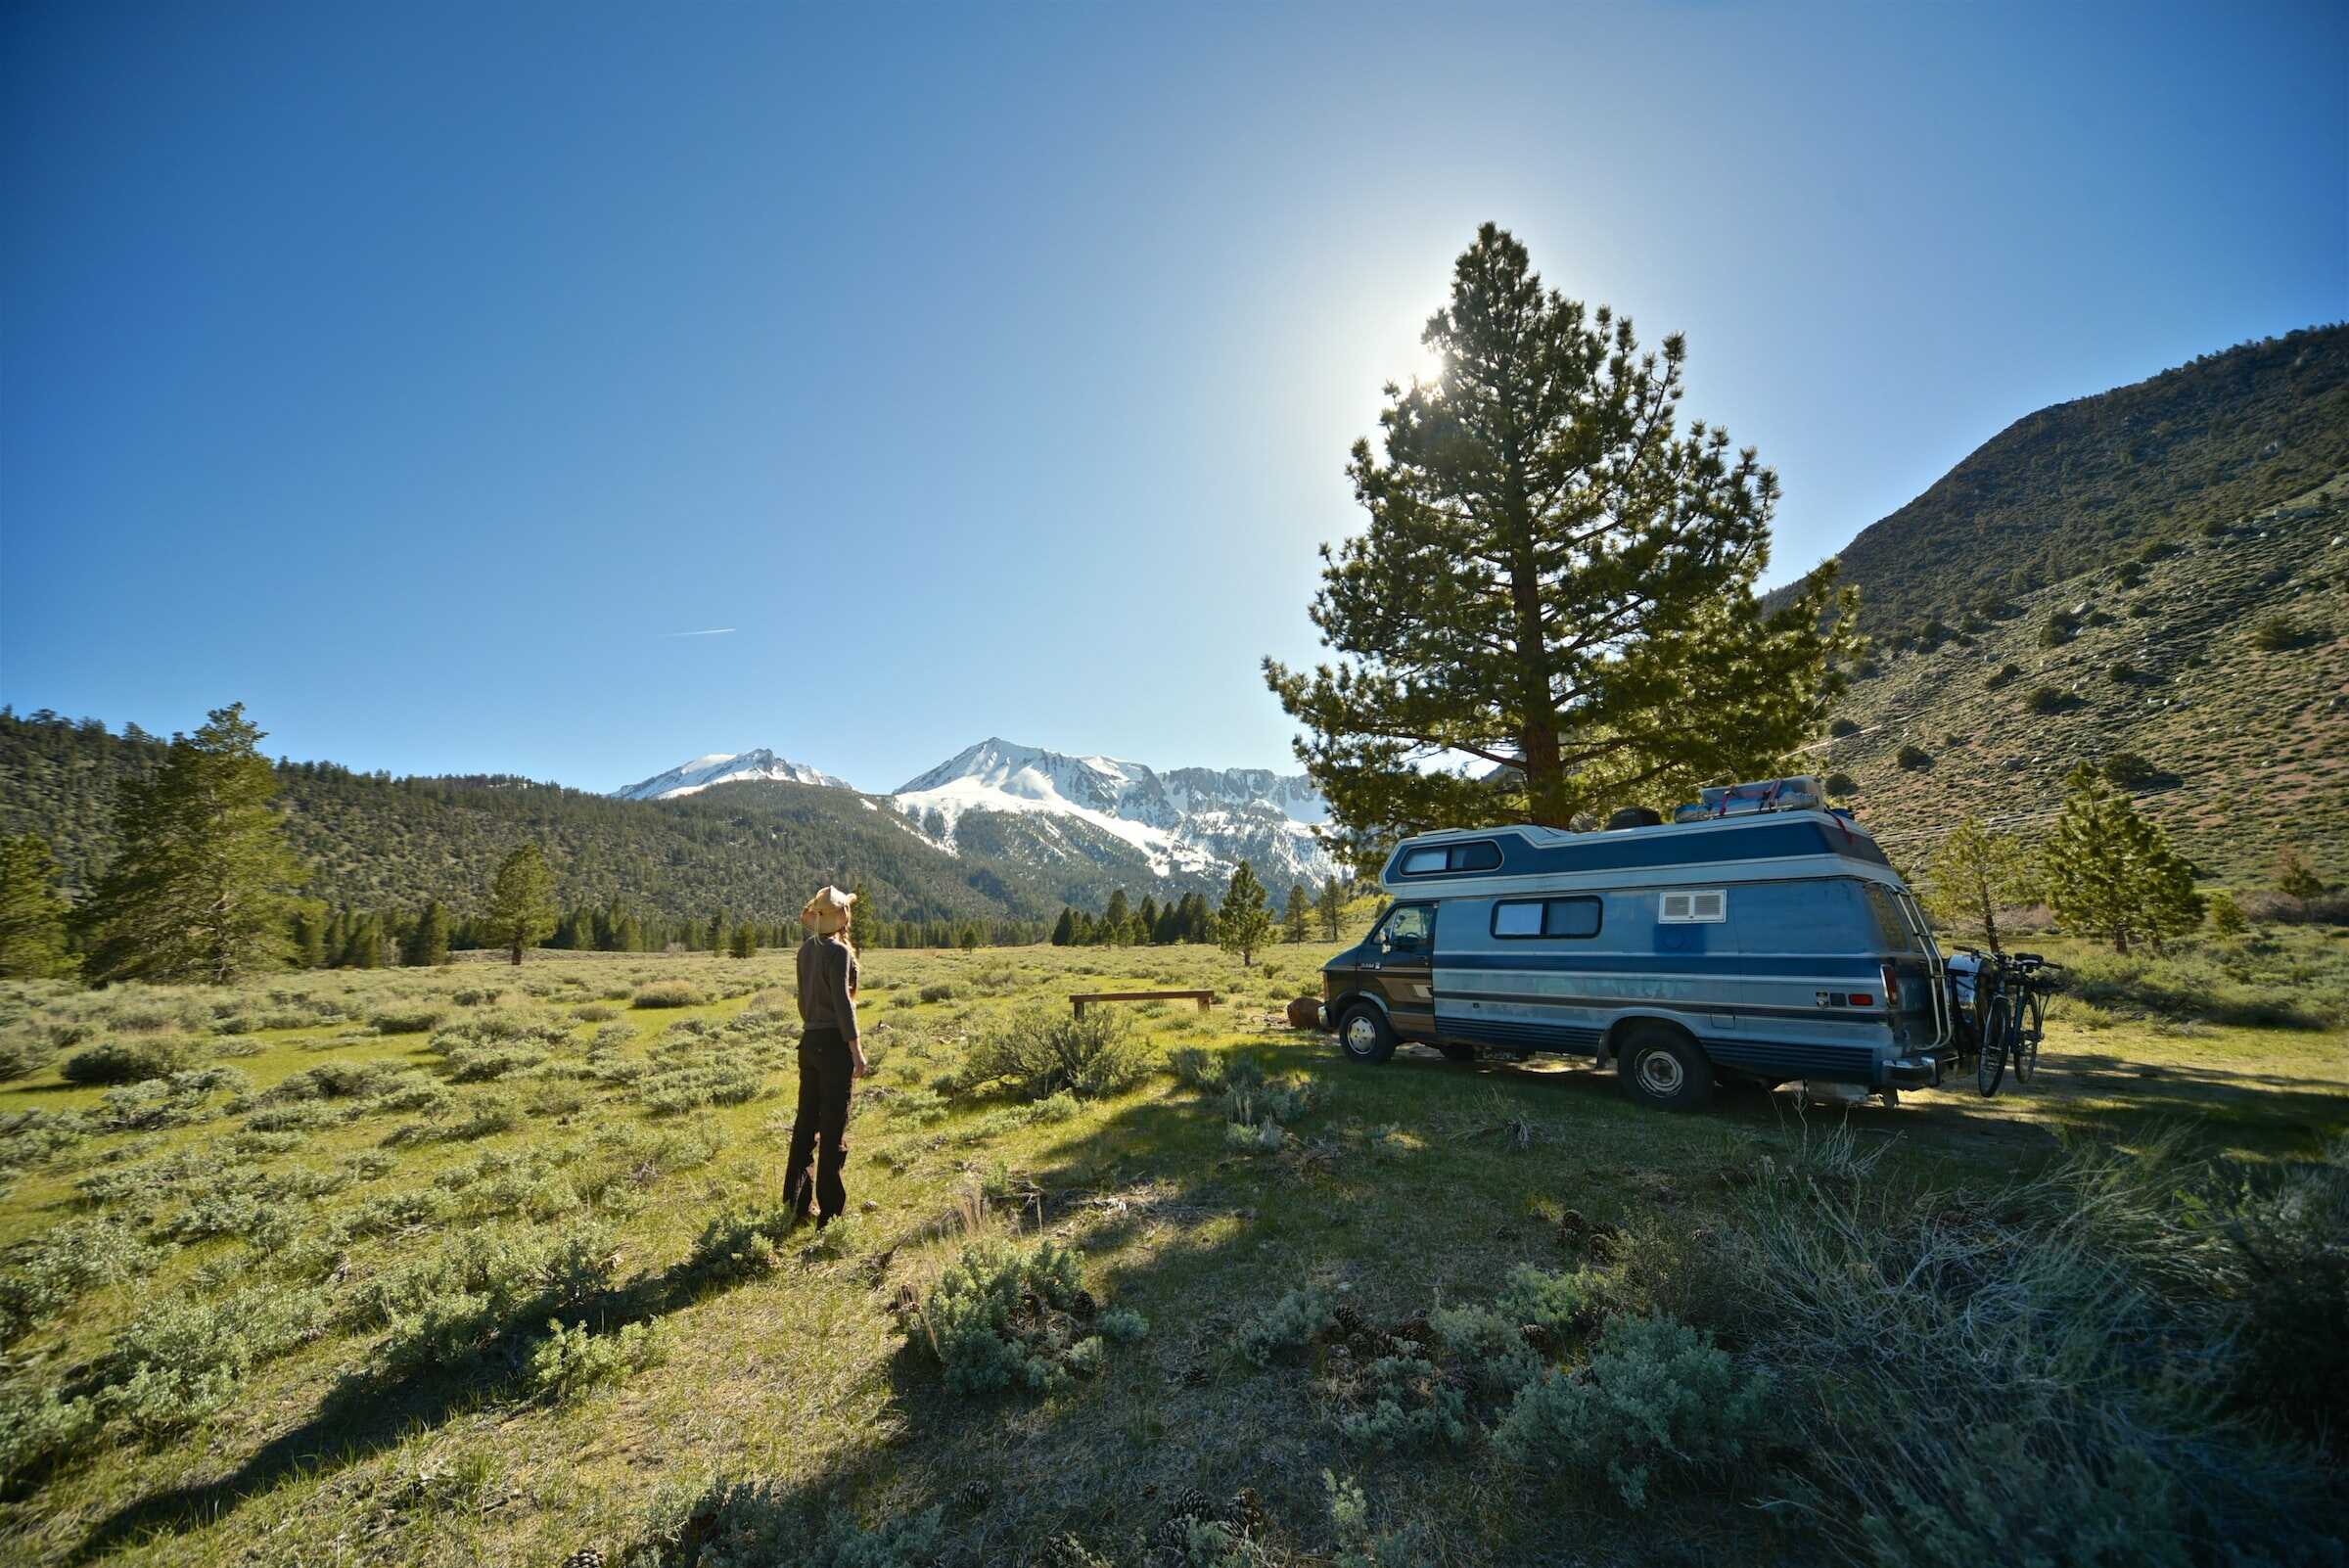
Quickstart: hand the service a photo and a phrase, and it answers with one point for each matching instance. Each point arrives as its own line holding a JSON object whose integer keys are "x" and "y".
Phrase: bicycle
{"x": 2011, "y": 1013}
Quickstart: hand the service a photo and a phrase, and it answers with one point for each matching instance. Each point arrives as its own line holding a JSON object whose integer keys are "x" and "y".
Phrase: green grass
{"x": 1397, "y": 1189}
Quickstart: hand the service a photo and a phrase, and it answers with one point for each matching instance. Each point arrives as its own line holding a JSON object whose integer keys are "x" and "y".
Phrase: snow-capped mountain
{"x": 726, "y": 767}
{"x": 1187, "y": 824}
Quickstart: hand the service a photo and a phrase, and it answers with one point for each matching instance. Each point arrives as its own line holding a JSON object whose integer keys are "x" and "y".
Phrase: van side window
{"x": 1547, "y": 917}
{"x": 1482, "y": 855}
{"x": 1696, "y": 906}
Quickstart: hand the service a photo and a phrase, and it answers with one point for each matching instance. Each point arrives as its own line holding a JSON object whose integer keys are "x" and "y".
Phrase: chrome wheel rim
{"x": 1361, "y": 1035}
{"x": 1660, "y": 1073}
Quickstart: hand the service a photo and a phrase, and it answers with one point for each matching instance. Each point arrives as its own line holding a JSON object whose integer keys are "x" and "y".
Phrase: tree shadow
{"x": 368, "y": 1411}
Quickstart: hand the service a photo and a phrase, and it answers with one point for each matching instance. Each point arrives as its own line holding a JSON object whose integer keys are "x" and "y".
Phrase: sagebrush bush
{"x": 1001, "y": 1318}
{"x": 406, "y": 1020}
{"x": 1913, "y": 756}
{"x": 174, "y": 1101}
{"x": 184, "y": 1359}
{"x": 1490, "y": 1346}
{"x": 2048, "y": 700}
{"x": 2008, "y": 674}
{"x": 41, "y": 1276}
{"x": 571, "y": 1361}
{"x": 128, "y": 1061}
{"x": 1289, "y": 1326}
{"x": 2090, "y": 1328}
{"x": 668, "y": 993}
{"x": 765, "y": 1524}
{"x": 1038, "y": 1052}
{"x": 1657, "y": 1398}
{"x": 1406, "y": 1404}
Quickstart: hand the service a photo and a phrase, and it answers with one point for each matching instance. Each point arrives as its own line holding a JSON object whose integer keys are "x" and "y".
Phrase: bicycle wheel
{"x": 2026, "y": 1045}
{"x": 1998, "y": 1022}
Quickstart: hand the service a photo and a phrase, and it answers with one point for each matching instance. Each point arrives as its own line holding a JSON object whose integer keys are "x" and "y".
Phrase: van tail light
{"x": 1892, "y": 989}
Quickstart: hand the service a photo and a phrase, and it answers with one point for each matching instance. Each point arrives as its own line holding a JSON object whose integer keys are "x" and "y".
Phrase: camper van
{"x": 1758, "y": 937}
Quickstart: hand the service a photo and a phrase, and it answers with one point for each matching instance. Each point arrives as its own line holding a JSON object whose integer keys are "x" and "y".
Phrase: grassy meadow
{"x": 290, "y": 1303}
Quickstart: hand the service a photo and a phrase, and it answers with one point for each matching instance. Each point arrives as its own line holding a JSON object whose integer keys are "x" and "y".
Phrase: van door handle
{"x": 1371, "y": 964}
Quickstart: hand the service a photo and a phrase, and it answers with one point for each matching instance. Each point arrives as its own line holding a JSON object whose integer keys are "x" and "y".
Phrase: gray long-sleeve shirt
{"x": 827, "y": 986}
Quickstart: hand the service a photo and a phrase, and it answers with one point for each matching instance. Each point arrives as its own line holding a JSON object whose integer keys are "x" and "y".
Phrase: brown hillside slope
{"x": 2082, "y": 485}
{"x": 2254, "y": 742}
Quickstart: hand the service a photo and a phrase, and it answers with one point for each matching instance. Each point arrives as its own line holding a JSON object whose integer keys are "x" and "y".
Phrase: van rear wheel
{"x": 1364, "y": 1033}
{"x": 1663, "y": 1067}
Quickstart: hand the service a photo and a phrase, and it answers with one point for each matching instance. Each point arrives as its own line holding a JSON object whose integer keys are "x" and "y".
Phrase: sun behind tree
{"x": 1556, "y": 585}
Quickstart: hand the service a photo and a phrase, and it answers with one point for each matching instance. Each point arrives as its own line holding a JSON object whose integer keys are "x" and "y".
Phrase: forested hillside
{"x": 2081, "y": 486}
{"x": 754, "y": 851}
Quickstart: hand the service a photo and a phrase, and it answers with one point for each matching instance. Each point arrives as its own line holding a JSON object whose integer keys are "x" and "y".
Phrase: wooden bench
{"x": 1205, "y": 998}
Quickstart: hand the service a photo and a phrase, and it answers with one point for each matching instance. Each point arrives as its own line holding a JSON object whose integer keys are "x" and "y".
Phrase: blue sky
{"x": 411, "y": 371}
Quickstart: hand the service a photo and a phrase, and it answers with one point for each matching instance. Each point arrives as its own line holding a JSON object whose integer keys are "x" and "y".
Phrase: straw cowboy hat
{"x": 828, "y": 910}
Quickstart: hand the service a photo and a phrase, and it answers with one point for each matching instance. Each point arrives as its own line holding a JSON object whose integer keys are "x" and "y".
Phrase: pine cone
{"x": 1194, "y": 1503}
{"x": 1084, "y": 1304}
{"x": 976, "y": 1493}
{"x": 584, "y": 1557}
{"x": 1247, "y": 1512}
{"x": 1349, "y": 1319}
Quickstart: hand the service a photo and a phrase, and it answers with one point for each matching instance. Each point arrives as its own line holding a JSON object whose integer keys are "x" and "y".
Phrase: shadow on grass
{"x": 368, "y": 1411}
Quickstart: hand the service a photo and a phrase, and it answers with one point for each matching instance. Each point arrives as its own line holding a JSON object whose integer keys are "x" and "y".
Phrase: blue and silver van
{"x": 1766, "y": 945}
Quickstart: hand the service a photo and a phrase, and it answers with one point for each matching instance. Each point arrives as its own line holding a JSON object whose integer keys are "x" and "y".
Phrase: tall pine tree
{"x": 1974, "y": 874}
{"x": 203, "y": 885}
{"x": 1297, "y": 921}
{"x": 32, "y": 917}
{"x": 1331, "y": 906}
{"x": 1245, "y": 922}
{"x": 522, "y": 902}
{"x": 2111, "y": 873}
{"x": 1557, "y": 584}
{"x": 427, "y": 943}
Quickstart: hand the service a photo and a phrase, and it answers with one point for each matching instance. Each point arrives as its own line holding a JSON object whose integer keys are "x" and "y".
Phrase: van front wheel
{"x": 1662, "y": 1068}
{"x": 1364, "y": 1033}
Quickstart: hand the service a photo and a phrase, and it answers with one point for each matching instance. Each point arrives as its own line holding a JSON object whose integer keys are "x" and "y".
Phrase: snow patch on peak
{"x": 759, "y": 764}
{"x": 1187, "y": 822}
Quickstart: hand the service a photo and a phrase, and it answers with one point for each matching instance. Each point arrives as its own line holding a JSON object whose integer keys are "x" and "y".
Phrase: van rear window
{"x": 1892, "y": 928}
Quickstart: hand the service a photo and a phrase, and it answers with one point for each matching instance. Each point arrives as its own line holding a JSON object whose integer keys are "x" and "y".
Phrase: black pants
{"x": 819, "y": 1133}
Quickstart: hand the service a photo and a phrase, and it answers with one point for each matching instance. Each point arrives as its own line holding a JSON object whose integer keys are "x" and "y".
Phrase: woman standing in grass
{"x": 831, "y": 1055}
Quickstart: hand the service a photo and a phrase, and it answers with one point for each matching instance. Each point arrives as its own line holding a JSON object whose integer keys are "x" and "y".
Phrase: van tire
{"x": 1662, "y": 1067}
{"x": 1363, "y": 1034}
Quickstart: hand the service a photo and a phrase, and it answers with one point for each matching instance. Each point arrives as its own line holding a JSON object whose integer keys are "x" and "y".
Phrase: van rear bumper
{"x": 1922, "y": 1070}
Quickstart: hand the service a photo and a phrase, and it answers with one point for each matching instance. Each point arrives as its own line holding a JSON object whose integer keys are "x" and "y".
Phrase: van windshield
{"x": 1892, "y": 928}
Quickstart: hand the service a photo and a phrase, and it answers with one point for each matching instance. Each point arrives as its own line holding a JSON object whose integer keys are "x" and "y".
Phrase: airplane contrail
{"x": 713, "y": 631}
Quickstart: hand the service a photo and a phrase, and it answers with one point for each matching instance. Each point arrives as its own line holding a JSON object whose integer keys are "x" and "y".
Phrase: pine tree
{"x": 1064, "y": 930}
{"x": 310, "y": 933}
{"x": 1117, "y": 920}
{"x": 1554, "y": 583}
{"x": 1976, "y": 873}
{"x": 32, "y": 916}
{"x": 1331, "y": 906}
{"x": 2295, "y": 878}
{"x": 746, "y": 940}
{"x": 427, "y": 943}
{"x": 1145, "y": 920}
{"x": 1244, "y": 923}
{"x": 1297, "y": 925}
{"x": 203, "y": 887}
{"x": 2111, "y": 873}
{"x": 969, "y": 939}
{"x": 522, "y": 902}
